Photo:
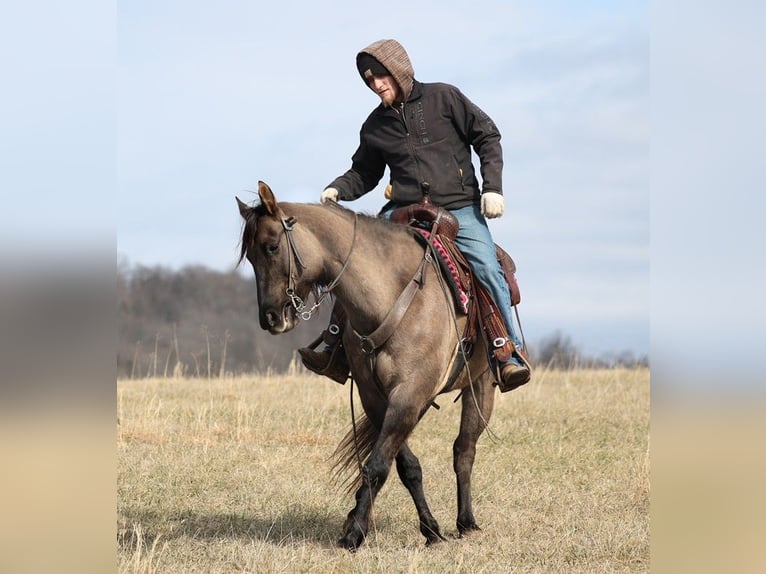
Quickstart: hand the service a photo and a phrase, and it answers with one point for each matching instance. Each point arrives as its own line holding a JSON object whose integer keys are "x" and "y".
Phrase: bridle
{"x": 294, "y": 259}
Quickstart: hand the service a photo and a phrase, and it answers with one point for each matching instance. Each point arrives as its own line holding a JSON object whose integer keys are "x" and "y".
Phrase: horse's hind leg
{"x": 411, "y": 475}
{"x": 476, "y": 410}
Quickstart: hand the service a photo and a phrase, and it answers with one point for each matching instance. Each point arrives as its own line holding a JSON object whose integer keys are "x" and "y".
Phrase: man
{"x": 424, "y": 133}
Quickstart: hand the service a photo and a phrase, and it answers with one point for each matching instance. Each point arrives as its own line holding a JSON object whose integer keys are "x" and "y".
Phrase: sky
{"x": 213, "y": 97}
{"x": 127, "y": 128}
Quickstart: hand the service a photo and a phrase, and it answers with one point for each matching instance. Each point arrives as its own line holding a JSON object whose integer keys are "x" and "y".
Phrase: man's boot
{"x": 510, "y": 363}
{"x": 331, "y": 361}
{"x": 514, "y": 373}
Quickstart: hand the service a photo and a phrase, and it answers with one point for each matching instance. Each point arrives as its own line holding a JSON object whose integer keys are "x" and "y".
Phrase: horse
{"x": 299, "y": 250}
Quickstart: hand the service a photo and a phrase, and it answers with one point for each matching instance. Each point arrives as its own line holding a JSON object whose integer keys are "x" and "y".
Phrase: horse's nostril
{"x": 271, "y": 317}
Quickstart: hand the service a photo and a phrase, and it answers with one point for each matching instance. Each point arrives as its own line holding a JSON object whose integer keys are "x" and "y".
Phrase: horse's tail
{"x": 352, "y": 451}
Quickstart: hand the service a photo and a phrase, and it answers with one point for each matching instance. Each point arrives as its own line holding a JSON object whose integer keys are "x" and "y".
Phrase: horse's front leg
{"x": 357, "y": 522}
{"x": 398, "y": 423}
{"x": 476, "y": 410}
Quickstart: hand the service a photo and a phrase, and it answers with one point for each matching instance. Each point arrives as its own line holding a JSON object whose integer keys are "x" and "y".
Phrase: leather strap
{"x": 288, "y": 223}
{"x": 379, "y": 336}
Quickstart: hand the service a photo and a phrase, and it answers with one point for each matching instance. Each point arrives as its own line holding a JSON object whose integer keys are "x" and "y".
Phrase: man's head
{"x": 385, "y": 67}
{"x": 368, "y": 66}
{"x": 378, "y": 78}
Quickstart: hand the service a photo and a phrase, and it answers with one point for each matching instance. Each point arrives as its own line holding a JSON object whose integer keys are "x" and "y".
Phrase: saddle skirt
{"x": 457, "y": 281}
{"x": 458, "y": 273}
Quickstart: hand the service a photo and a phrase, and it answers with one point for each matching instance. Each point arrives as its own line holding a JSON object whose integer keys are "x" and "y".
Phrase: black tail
{"x": 352, "y": 452}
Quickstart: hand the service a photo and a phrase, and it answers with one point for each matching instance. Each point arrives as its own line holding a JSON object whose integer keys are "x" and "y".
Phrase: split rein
{"x": 288, "y": 224}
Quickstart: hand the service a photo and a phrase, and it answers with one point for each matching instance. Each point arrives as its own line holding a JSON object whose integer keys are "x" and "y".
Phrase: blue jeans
{"x": 475, "y": 242}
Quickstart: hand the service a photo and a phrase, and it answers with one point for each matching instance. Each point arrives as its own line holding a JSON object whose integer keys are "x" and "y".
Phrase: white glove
{"x": 329, "y": 194}
{"x": 492, "y": 204}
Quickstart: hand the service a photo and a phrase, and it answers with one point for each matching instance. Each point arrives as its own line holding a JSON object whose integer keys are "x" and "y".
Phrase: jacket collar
{"x": 415, "y": 94}
{"x": 417, "y": 91}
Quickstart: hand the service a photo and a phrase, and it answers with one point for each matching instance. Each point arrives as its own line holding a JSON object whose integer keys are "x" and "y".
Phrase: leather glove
{"x": 329, "y": 194}
{"x": 492, "y": 204}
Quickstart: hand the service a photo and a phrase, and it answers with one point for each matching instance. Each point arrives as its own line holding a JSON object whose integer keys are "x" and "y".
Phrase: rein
{"x": 288, "y": 224}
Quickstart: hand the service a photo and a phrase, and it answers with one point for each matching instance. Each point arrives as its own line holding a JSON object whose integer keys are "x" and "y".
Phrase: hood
{"x": 392, "y": 55}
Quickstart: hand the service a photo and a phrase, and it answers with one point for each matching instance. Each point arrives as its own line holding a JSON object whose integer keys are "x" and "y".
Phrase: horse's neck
{"x": 378, "y": 266}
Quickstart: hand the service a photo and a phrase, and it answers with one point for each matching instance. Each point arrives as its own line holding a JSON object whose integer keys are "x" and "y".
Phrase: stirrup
{"x": 333, "y": 365}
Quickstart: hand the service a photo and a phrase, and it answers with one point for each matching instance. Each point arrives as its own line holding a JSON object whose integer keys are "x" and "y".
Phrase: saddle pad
{"x": 449, "y": 270}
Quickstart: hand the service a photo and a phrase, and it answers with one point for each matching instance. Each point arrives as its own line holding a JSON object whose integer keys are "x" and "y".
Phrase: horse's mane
{"x": 378, "y": 225}
{"x": 373, "y": 219}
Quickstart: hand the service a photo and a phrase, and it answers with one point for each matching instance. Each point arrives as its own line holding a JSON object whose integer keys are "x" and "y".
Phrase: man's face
{"x": 386, "y": 88}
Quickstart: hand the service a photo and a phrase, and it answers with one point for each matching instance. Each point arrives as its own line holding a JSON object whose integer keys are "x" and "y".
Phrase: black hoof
{"x": 350, "y": 543}
{"x": 432, "y": 541}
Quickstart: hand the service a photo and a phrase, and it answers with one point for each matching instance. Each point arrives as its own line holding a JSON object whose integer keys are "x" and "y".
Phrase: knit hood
{"x": 392, "y": 55}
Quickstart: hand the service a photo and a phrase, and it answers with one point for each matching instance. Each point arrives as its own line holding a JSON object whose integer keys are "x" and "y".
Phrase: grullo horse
{"x": 402, "y": 339}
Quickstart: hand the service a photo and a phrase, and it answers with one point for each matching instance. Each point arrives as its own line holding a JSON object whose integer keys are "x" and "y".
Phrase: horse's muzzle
{"x": 278, "y": 320}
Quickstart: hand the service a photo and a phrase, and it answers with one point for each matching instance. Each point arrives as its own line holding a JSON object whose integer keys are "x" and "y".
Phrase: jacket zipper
{"x": 410, "y": 145}
{"x": 404, "y": 120}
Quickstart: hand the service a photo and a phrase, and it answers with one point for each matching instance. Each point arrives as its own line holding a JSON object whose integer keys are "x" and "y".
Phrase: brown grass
{"x": 234, "y": 475}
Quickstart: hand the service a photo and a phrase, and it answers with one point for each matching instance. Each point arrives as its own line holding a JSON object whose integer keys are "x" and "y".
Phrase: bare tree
{"x": 558, "y": 351}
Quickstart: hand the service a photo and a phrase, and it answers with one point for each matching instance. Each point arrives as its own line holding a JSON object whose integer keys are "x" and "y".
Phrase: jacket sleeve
{"x": 482, "y": 134}
{"x": 367, "y": 168}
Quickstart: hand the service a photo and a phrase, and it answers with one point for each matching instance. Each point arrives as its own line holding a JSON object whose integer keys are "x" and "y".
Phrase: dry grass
{"x": 234, "y": 476}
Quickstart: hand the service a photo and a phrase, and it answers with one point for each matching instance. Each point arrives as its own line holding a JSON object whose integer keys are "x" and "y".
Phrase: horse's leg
{"x": 476, "y": 410}
{"x": 401, "y": 417}
{"x": 411, "y": 475}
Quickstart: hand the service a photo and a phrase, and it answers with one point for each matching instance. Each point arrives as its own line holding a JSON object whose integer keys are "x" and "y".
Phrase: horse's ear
{"x": 267, "y": 198}
{"x": 244, "y": 208}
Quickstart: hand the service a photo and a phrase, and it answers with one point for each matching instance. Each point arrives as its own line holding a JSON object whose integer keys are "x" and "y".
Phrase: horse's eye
{"x": 272, "y": 248}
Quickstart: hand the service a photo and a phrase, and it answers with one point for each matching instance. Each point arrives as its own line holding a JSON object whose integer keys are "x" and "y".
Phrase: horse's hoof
{"x": 350, "y": 542}
{"x": 432, "y": 533}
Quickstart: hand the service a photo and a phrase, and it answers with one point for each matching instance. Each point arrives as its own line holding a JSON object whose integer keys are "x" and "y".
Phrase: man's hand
{"x": 492, "y": 204}
{"x": 329, "y": 194}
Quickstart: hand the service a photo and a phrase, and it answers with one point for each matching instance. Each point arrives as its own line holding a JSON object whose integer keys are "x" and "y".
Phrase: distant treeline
{"x": 199, "y": 322}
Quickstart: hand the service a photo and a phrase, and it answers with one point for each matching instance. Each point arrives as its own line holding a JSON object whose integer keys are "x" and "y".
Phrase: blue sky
{"x": 128, "y": 128}
{"x": 137, "y": 123}
{"x": 214, "y": 97}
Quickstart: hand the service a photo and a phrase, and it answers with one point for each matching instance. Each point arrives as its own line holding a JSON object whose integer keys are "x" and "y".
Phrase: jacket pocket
{"x": 459, "y": 173}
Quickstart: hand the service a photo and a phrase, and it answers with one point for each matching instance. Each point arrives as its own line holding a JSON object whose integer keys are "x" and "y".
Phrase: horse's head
{"x": 269, "y": 246}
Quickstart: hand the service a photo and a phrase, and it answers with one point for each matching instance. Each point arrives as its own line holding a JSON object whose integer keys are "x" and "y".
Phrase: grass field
{"x": 234, "y": 475}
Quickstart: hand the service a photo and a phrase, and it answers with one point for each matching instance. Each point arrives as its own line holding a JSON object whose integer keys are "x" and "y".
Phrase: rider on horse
{"x": 424, "y": 134}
